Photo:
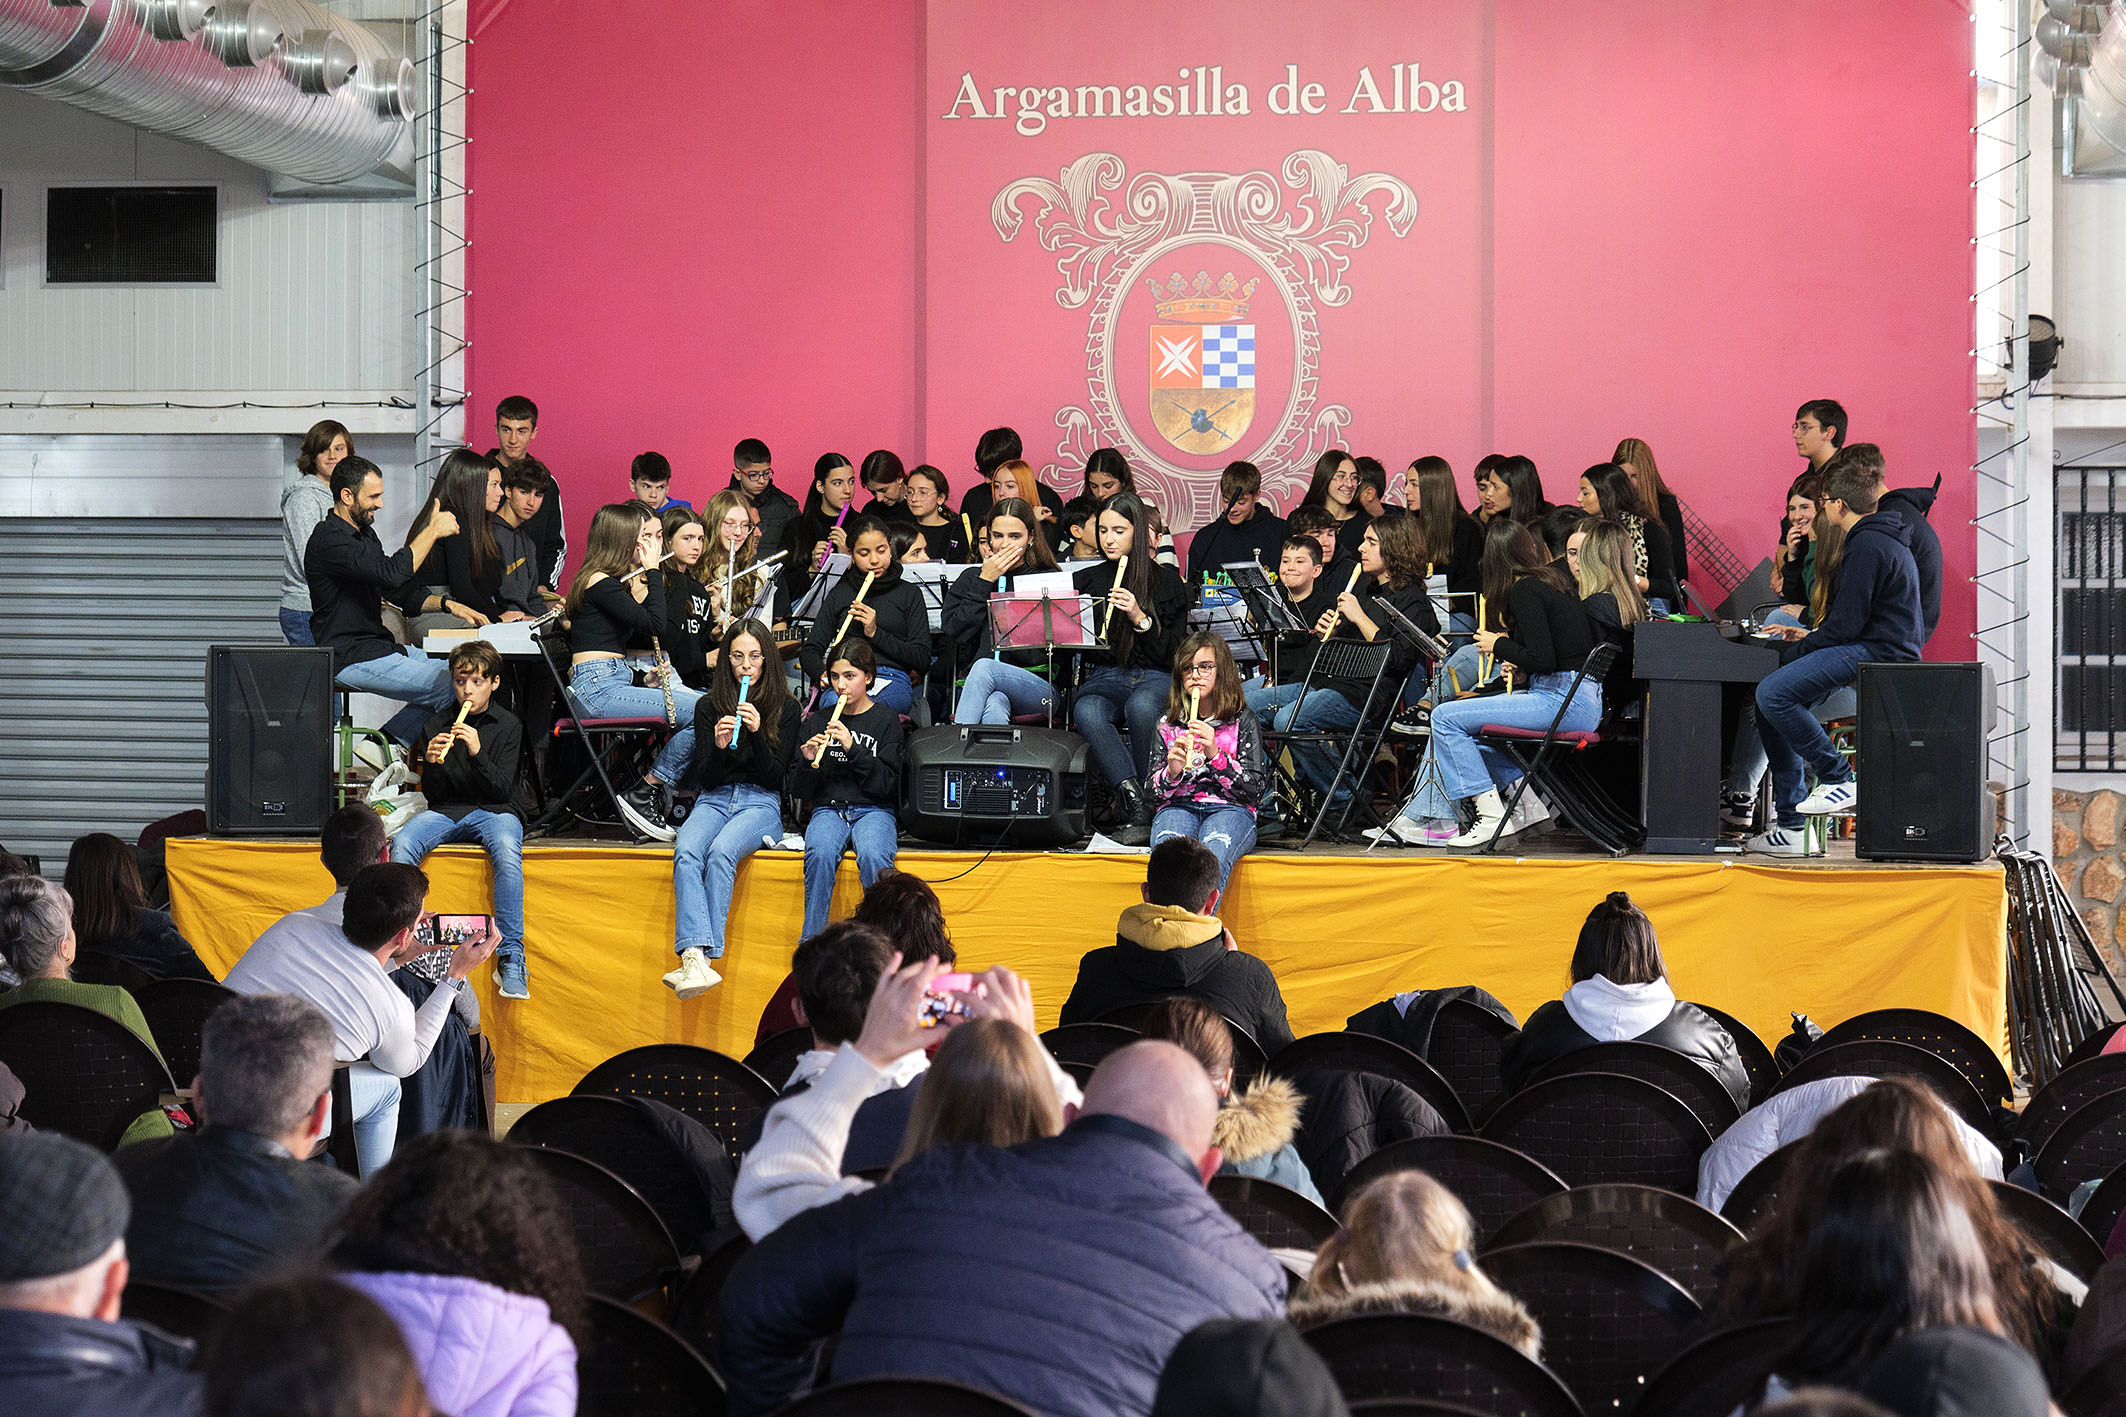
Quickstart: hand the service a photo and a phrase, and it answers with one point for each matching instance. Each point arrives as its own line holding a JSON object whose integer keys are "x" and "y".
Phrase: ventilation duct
{"x": 2103, "y": 91}
{"x": 284, "y": 85}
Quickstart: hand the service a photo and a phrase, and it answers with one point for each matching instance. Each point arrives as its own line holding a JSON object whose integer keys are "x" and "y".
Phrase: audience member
{"x": 1059, "y": 1273}
{"x": 526, "y": 485}
{"x": 13, "y": 865}
{"x": 1174, "y": 944}
{"x": 1255, "y": 1126}
{"x": 343, "y": 969}
{"x": 1620, "y": 990}
{"x": 353, "y": 837}
{"x": 64, "y": 1350}
{"x": 1954, "y": 1371}
{"x": 215, "y": 1208}
{"x": 463, "y": 1242}
{"x": 903, "y": 906}
{"x": 111, "y": 912}
{"x": 1246, "y": 1368}
{"x": 306, "y": 502}
{"x": 1408, "y": 1246}
{"x": 12, "y": 1096}
{"x": 268, "y": 1360}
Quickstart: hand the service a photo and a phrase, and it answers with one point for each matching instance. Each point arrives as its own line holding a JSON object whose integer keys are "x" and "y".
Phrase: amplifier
{"x": 994, "y": 782}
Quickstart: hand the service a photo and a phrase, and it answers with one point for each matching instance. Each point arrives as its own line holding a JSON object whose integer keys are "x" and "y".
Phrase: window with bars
{"x": 2091, "y": 619}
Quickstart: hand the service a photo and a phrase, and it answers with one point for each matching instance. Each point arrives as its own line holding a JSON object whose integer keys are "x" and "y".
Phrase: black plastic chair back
{"x": 902, "y": 1397}
{"x": 176, "y": 1311}
{"x": 1466, "y": 1042}
{"x": 775, "y": 1057}
{"x": 1131, "y": 1016}
{"x": 1757, "y": 1192}
{"x": 2088, "y": 1146}
{"x": 1665, "y": 1068}
{"x": 1279, "y": 1217}
{"x": 1885, "y": 1058}
{"x": 1673, "y": 1233}
{"x": 1757, "y": 1059}
{"x": 1365, "y": 1053}
{"x": 2071, "y": 1088}
{"x": 1593, "y": 1127}
{"x": 1408, "y": 1355}
{"x": 2100, "y": 1392}
{"x": 2091, "y": 1047}
{"x": 1935, "y": 1033}
{"x": 83, "y": 1074}
{"x": 614, "y": 1134}
{"x": 1719, "y": 1374}
{"x": 631, "y": 1366}
{"x": 1494, "y": 1181}
{"x": 2101, "y": 1212}
{"x": 96, "y": 967}
{"x": 1248, "y": 1058}
{"x": 697, "y": 1312}
{"x": 627, "y": 1253}
{"x": 1412, "y": 1407}
{"x": 177, "y": 1011}
{"x": 720, "y": 1092}
{"x": 2052, "y": 1232}
{"x": 1609, "y": 1321}
{"x": 1087, "y": 1043}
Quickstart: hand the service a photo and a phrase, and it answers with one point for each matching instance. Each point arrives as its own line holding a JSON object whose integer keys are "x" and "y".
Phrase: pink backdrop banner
{"x": 1254, "y": 232}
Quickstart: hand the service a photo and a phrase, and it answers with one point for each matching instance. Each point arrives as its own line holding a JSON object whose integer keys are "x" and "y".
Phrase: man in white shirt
{"x": 342, "y": 969}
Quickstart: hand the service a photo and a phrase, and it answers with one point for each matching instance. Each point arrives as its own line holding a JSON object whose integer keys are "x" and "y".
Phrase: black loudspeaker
{"x": 1922, "y": 762}
{"x": 994, "y": 782}
{"x": 269, "y": 740}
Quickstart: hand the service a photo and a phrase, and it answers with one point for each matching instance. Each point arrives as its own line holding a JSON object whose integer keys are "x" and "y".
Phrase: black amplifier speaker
{"x": 994, "y": 783}
{"x": 269, "y": 740}
{"x": 1922, "y": 762}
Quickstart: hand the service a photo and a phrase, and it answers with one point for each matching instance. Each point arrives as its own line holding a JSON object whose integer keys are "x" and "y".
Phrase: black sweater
{"x": 946, "y": 543}
{"x": 1678, "y": 536}
{"x": 349, "y": 575}
{"x": 1148, "y": 649}
{"x": 1465, "y": 573}
{"x": 798, "y": 569}
{"x": 966, "y": 618}
{"x": 981, "y": 497}
{"x": 449, "y": 565}
{"x": 466, "y": 782}
{"x": 1259, "y": 539}
{"x": 1549, "y": 631}
{"x": 752, "y": 760}
{"x": 1413, "y": 601}
{"x": 690, "y": 628}
{"x": 548, "y": 534}
{"x": 608, "y": 620}
{"x": 1658, "y": 564}
{"x": 903, "y": 638}
{"x": 868, "y": 773}
{"x": 1295, "y": 651}
{"x": 1875, "y": 599}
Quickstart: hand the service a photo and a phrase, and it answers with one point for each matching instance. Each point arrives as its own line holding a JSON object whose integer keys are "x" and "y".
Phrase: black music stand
{"x": 1008, "y": 622}
{"x": 1432, "y": 647}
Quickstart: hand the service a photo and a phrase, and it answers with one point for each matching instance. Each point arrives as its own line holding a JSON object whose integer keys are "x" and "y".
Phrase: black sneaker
{"x": 643, "y": 808}
{"x": 1738, "y": 810}
{"x": 1413, "y": 722}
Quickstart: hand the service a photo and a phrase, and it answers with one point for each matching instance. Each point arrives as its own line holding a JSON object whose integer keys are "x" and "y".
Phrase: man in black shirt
{"x": 516, "y": 424}
{"x": 1246, "y": 531}
{"x": 349, "y": 576}
{"x": 753, "y": 473}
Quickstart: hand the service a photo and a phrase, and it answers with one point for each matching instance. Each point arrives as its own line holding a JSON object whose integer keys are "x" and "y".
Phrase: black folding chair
{"x": 2088, "y": 1146}
{"x": 1366, "y": 1053}
{"x": 1673, "y": 1233}
{"x": 627, "y": 1253}
{"x": 2052, "y": 1232}
{"x": 177, "y": 1311}
{"x": 1592, "y": 1127}
{"x": 618, "y": 1136}
{"x": 902, "y": 1397}
{"x": 1665, "y": 1068}
{"x": 2101, "y": 1212}
{"x": 1493, "y": 1180}
{"x": 1407, "y": 1355}
{"x": 2071, "y": 1088}
{"x": 775, "y": 1057}
{"x": 1551, "y": 762}
{"x": 720, "y": 1092}
{"x": 1277, "y": 1216}
{"x": 1609, "y": 1321}
{"x": 1350, "y": 659}
{"x": 611, "y": 747}
{"x": 1087, "y": 1043}
{"x": 632, "y": 1366}
{"x": 1757, "y": 1059}
{"x": 1757, "y": 1193}
{"x": 1938, "y": 1034}
{"x": 177, "y": 1012}
{"x": 1719, "y": 1373}
{"x": 1466, "y": 1044}
{"x": 83, "y": 1074}
{"x": 1249, "y": 1061}
{"x": 1883, "y": 1058}
{"x": 96, "y": 967}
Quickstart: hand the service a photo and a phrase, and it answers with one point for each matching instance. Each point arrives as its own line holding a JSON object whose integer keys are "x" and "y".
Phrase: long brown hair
{"x": 1039, "y": 555}
{"x": 1636, "y": 456}
{"x": 461, "y": 486}
{"x": 770, "y": 690}
{"x": 1226, "y": 698}
{"x": 1438, "y": 504}
{"x": 1511, "y": 552}
{"x": 318, "y": 440}
{"x": 990, "y": 1083}
{"x": 104, "y": 882}
{"x": 673, "y": 519}
{"x": 609, "y": 549}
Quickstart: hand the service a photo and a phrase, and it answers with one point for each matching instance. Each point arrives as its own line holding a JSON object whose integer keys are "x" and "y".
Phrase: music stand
{"x": 1014, "y": 618}
{"x": 830, "y": 573}
{"x": 1402, "y": 627}
{"x": 932, "y": 579}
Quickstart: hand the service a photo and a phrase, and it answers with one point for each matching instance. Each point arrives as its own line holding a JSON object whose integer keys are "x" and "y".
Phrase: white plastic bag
{"x": 396, "y": 797}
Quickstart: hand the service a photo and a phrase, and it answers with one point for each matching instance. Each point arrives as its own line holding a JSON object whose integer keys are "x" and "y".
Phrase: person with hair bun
{"x": 1620, "y": 991}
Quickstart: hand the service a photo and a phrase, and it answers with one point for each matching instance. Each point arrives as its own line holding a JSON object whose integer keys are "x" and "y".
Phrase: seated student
{"x": 459, "y": 582}
{"x": 1014, "y": 482}
{"x": 1079, "y": 537}
{"x": 1909, "y": 505}
{"x": 991, "y": 1082}
{"x": 1315, "y": 522}
{"x": 1607, "y": 490}
{"x": 905, "y": 539}
{"x": 690, "y": 635}
{"x": 1950, "y": 1371}
{"x": 1211, "y": 778}
{"x": 1140, "y": 615}
{"x": 1620, "y": 991}
{"x": 1334, "y": 489}
{"x": 213, "y": 1209}
{"x": 470, "y": 758}
{"x": 885, "y": 478}
{"x": 908, "y": 911}
{"x": 1107, "y": 474}
{"x": 1161, "y": 537}
{"x": 1636, "y": 457}
{"x": 848, "y": 769}
{"x": 649, "y": 481}
{"x": 265, "y": 1352}
{"x": 753, "y": 476}
{"x": 992, "y": 450}
{"x": 818, "y": 531}
{"x": 1255, "y": 1127}
{"x": 943, "y": 533}
{"x": 1794, "y": 562}
{"x": 739, "y": 764}
{"x": 1873, "y": 615}
{"x": 1598, "y": 556}
{"x": 1373, "y": 488}
{"x": 111, "y": 912}
{"x": 526, "y": 484}
{"x": 1454, "y": 540}
{"x": 730, "y": 522}
{"x": 1309, "y": 595}
{"x": 892, "y": 620}
{"x": 1174, "y": 944}
{"x": 1408, "y": 1246}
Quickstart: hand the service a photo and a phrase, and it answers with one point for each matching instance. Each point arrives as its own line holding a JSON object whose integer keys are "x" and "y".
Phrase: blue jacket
{"x": 1060, "y": 1273}
{"x": 1911, "y": 505}
{"x": 1875, "y": 603}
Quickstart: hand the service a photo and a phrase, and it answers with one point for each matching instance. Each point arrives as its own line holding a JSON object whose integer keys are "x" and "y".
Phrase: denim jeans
{"x": 890, "y": 686}
{"x": 1459, "y": 673}
{"x": 376, "y": 1115}
{"x": 295, "y": 627}
{"x": 832, "y": 830}
{"x": 502, "y": 836}
{"x": 1794, "y": 741}
{"x": 1227, "y": 830}
{"x": 1466, "y": 767}
{"x": 724, "y": 828}
{"x": 607, "y": 689}
{"x": 1746, "y": 767}
{"x": 1321, "y": 711}
{"x": 1110, "y": 699}
{"x": 996, "y": 690}
{"x": 421, "y": 683}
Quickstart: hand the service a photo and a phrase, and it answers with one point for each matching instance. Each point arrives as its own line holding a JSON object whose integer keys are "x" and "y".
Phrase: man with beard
{"x": 349, "y": 575}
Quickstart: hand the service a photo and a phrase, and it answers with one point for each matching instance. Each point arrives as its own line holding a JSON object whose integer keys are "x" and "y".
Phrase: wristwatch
{"x": 1144, "y": 624}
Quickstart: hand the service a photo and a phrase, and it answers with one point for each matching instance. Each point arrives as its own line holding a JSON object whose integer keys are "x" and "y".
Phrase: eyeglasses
{"x": 1807, "y": 425}
{"x": 1200, "y": 669}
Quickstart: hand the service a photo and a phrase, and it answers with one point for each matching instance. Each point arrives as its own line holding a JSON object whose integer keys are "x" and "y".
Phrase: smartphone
{"x": 944, "y": 998}
{"x": 447, "y": 932}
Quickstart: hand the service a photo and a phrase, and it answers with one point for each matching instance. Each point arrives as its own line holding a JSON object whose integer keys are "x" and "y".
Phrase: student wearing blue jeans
{"x": 849, "y": 768}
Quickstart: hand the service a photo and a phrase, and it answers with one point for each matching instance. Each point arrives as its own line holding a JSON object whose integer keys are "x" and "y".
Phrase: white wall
{"x": 2089, "y": 254}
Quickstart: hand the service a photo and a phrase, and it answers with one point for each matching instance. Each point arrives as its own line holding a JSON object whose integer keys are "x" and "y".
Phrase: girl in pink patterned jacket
{"x": 1211, "y": 772}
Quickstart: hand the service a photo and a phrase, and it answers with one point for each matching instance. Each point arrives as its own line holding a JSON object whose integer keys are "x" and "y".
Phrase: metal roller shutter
{"x": 104, "y": 628}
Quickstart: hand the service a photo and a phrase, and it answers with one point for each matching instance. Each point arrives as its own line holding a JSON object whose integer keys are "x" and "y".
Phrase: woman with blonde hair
{"x": 1408, "y": 1246}
{"x": 729, "y": 521}
{"x": 991, "y": 1082}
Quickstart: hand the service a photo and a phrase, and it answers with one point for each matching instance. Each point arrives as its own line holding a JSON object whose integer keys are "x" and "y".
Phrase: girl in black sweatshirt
{"x": 848, "y": 767}
{"x": 689, "y": 609}
{"x": 893, "y": 618}
{"x": 818, "y": 531}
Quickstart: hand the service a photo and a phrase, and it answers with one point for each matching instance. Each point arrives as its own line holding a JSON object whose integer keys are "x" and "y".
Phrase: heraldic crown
{"x": 1201, "y": 303}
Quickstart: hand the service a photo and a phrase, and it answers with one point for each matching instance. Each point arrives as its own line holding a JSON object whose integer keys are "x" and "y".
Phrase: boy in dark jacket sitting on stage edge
{"x": 1174, "y": 944}
{"x": 469, "y": 756}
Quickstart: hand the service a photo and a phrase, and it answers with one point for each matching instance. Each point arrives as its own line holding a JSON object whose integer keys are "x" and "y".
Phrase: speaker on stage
{"x": 269, "y": 740}
{"x": 998, "y": 782}
{"x": 1922, "y": 762}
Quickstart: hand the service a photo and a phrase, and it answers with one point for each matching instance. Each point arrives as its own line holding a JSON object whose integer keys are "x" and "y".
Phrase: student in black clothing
{"x": 740, "y": 764}
{"x": 1373, "y": 488}
{"x": 1636, "y": 457}
{"x": 1014, "y": 482}
{"x": 1335, "y": 490}
{"x": 689, "y": 638}
{"x": 753, "y": 473}
{"x": 818, "y": 531}
{"x": 1310, "y": 595}
{"x": 848, "y": 768}
{"x": 525, "y": 487}
{"x": 349, "y": 576}
{"x": 1454, "y": 540}
{"x": 1598, "y": 558}
{"x": 470, "y": 755}
{"x": 1248, "y": 531}
{"x": 1077, "y": 535}
{"x": 998, "y": 685}
{"x": 992, "y": 450}
{"x": 893, "y": 618}
{"x": 616, "y": 617}
{"x": 112, "y": 915}
{"x": 1107, "y": 474}
{"x": 462, "y": 574}
{"x": 1508, "y": 485}
{"x": 516, "y": 424}
{"x": 1127, "y": 683}
{"x": 885, "y": 478}
{"x": 943, "y": 533}
{"x": 1607, "y": 491}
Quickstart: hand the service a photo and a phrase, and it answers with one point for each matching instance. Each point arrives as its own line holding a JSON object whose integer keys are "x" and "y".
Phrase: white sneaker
{"x": 1490, "y": 814}
{"x": 1831, "y": 799}
{"x": 1530, "y": 811}
{"x": 695, "y": 975}
{"x": 1780, "y": 841}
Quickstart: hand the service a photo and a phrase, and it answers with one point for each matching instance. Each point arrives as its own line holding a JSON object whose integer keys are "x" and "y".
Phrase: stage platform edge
{"x": 1759, "y": 940}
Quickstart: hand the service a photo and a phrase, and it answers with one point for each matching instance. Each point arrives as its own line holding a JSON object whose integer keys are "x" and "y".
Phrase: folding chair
{"x": 1549, "y": 759}
{"x": 1344, "y": 659}
{"x": 610, "y": 745}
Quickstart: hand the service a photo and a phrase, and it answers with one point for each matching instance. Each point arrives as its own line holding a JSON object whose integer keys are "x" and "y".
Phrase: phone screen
{"x": 946, "y": 998}
{"x": 447, "y": 932}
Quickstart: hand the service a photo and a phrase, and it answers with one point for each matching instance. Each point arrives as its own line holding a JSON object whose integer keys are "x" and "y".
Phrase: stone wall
{"x": 2086, "y": 851}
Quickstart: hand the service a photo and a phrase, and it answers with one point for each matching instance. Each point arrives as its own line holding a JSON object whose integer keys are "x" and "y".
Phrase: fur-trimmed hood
{"x": 1259, "y": 1121}
{"x": 1500, "y": 1315}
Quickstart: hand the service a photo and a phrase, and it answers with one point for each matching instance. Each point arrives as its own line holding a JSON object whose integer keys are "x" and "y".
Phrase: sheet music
{"x": 933, "y": 579}
{"x": 807, "y": 608}
{"x": 763, "y": 609}
{"x": 1052, "y": 583}
{"x": 510, "y": 638}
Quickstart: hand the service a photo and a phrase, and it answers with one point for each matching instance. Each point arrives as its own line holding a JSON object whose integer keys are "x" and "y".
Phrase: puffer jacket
{"x": 482, "y": 1351}
{"x": 1597, "y": 1011}
{"x": 1351, "y": 1115}
{"x": 1163, "y": 950}
{"x": 1498, "y": 1313}
{"x": 1059, "y": 1273}
{"x": 1254, "y": 1130}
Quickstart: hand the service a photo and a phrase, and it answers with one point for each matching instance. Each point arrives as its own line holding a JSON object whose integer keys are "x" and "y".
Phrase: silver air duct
{"x": 284, "y": 85}
{"x": 2104, "y": 85}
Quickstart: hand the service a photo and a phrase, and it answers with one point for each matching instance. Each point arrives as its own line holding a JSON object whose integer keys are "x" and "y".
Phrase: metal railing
{"x": 2090, "y": 611}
